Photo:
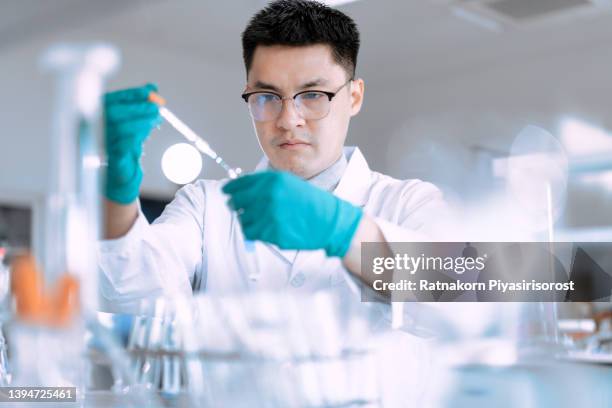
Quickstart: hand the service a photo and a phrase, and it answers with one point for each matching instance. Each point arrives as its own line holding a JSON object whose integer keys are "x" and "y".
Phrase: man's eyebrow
{"x": 309, "y": 84}
{"x": 314, "y": 82}
{"x": 263, "y": 85}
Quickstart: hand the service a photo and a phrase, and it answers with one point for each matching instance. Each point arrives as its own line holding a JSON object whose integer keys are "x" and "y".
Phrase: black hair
{"x": 300, "y": 23}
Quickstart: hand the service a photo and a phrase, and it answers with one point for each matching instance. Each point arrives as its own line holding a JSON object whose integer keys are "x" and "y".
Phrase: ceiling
{"x": 423, "y": 35}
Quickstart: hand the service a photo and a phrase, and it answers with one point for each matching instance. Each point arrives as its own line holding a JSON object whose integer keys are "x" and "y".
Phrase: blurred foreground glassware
{"x": 278, "y": 350}
{"x": 71, "y": 218}
{"x": 106, "y": 348}
{"x": 56, "y": 304}
{"x": 53, "y": 303}
{"x": 256, "y": 350}
{"x": 538, "y": 331}
{"x": 5, "y": 376}
{"x": 155, "y": 345}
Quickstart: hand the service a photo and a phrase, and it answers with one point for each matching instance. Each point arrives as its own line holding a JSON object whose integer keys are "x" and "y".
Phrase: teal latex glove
{"x": 129, "y": 118}
{"x": 282, "y": 209}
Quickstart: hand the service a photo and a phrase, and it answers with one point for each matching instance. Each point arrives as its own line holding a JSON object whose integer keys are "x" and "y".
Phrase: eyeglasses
{"x": 311, "y": 105}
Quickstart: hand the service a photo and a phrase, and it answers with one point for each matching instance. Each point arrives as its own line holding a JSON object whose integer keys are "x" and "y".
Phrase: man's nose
{"x": 289, "y": 116}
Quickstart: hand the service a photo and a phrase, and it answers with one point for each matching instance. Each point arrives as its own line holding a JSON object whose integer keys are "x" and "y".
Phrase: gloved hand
{"x": 128, "y": 118}
{"x": 282, "y": 209}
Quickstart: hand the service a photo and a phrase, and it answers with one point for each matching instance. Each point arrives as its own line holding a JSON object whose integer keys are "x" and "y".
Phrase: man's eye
{"x": 265, "y": 98}
{"x": 311, "y": 96}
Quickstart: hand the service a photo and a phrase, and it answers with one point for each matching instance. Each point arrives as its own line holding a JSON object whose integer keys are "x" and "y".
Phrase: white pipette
{"x": 200, "y": 144}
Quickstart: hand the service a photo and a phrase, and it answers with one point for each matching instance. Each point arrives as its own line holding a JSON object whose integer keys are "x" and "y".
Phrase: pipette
{"x": 199, "y": 143}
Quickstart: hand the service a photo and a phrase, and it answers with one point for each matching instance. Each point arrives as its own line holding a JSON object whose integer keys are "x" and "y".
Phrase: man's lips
{"x": 293, "y": 144}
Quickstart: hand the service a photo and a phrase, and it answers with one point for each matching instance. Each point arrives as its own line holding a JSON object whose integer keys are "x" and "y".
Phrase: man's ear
{"x": 357, "y": 90}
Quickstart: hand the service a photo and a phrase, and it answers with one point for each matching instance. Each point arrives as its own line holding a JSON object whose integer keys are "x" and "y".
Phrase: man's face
{"x": 304, "y": 147}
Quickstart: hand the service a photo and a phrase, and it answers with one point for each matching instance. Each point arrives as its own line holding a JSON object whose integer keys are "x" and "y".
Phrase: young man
{"x": 309, "y": 206}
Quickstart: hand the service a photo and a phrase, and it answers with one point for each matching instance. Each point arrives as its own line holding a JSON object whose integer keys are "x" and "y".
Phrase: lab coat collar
{"x": 357, "y": 178}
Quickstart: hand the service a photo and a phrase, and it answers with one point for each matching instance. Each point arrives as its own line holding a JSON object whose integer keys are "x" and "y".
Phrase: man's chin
{"x": 296, "y": 165}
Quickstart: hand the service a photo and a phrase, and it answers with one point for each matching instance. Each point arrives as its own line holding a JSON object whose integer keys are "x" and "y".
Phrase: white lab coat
{"x": 197, "y": 245}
